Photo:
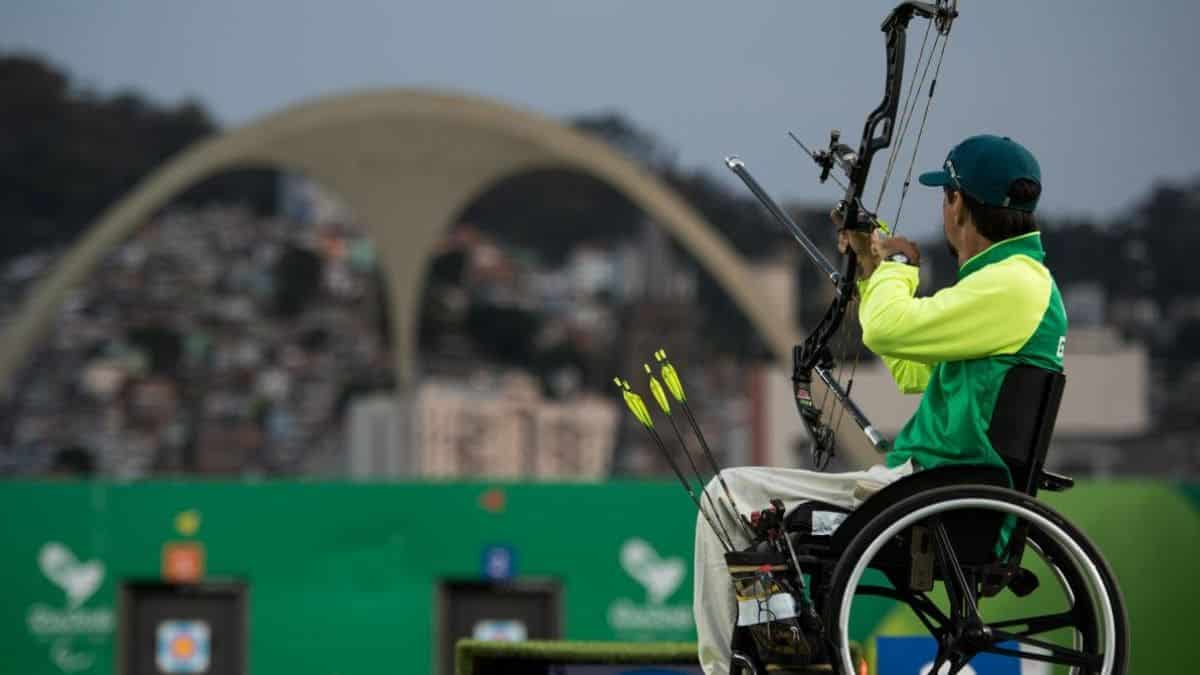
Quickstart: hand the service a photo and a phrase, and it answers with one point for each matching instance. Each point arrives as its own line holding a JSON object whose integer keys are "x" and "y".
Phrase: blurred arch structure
{"x": 407, "y": 162}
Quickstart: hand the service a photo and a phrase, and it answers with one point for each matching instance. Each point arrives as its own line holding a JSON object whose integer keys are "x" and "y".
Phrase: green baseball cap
{"x": 984, "y": 167}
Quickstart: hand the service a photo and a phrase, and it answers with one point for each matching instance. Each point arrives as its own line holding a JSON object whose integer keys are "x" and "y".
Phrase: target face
{"x": 183, "y": 647}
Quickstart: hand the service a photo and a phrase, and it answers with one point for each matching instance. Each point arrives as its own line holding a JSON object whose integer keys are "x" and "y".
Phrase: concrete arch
{"x": 406, "y": 161}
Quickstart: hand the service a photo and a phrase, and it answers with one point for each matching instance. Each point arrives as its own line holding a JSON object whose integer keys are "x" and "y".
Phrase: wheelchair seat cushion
{"x": 815, "y": 518}
{"x": 801, "y": 520}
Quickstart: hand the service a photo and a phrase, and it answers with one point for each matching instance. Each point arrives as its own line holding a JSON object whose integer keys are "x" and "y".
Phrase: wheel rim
{"x": 1088, "y": 570}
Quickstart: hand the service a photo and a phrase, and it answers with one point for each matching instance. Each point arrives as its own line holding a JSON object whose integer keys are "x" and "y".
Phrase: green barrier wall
{"x": 343, "y": 577}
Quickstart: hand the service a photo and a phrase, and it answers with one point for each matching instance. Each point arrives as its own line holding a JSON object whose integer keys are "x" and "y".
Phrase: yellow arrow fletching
{"x": 659, "y": 395}
{"x": 672, "y": 379}
{"x": 634, "y": 403}
{"x": 643, "y": 412}
{"x": 670, "y": 376}
{"x": 657, "y": 390}
{"x": 638, "y": 408}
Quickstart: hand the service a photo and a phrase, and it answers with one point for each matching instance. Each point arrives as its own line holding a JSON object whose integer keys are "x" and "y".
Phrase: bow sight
{"x": 839, "y": 153}
{"x": 815, "y": 354}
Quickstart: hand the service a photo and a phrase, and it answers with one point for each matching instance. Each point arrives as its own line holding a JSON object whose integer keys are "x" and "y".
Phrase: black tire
{"x": 906, "y": 509}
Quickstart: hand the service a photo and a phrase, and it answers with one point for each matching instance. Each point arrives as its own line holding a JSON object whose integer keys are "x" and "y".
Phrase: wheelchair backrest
{"x": 1020, "y": 429}
{"x": 1023, "y": 421}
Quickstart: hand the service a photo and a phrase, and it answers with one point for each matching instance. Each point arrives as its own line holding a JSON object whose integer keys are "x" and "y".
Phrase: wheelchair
{"x": 944, "y": 543}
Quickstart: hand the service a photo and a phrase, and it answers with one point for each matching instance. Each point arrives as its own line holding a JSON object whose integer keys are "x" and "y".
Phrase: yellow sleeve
{"x": 992, "y": 311}
{"x": 911, "y": 377}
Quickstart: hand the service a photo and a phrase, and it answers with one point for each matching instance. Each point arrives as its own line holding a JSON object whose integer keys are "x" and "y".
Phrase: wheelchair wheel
{"x": 1084, "y": 634}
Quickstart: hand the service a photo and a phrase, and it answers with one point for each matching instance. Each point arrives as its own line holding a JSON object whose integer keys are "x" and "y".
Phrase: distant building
{"x": 378, "y": 436}
{"x": 306, "y": 201}
{"x": 1085, "y": 302}
{"x": 499, "y": 427}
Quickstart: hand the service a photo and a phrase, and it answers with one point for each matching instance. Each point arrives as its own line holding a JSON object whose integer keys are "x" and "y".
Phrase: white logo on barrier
{"x": 78, "y": 580}
{"x": 661, "y": 578}
{"x": 69, "y": 661}
{"x": 73, "y": 632}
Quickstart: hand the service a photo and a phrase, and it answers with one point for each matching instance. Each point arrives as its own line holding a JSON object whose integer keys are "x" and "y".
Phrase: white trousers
{"x": 753, "y": 487}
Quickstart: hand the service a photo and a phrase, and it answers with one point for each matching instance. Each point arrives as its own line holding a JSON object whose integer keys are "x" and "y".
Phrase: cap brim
{"x": 935, "y": 178}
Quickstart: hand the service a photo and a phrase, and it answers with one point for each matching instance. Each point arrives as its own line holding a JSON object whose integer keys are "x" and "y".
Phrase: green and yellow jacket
{"x": 957, "y": 345}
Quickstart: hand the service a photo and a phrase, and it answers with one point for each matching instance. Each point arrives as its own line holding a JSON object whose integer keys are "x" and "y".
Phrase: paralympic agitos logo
{"x": 72, "y": 630}
{"x": 661, "y": 578}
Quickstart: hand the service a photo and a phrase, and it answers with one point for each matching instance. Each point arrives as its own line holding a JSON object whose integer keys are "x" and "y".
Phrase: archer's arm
{"x": 990, "y": 312}
{"x": 910, "y": 376}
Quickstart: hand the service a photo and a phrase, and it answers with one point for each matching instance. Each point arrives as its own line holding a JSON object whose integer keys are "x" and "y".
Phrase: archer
{"x": 955, "y": 346}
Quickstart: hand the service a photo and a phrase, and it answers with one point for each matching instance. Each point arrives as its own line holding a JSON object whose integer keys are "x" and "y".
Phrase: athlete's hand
{"x": 860, "y": 242}
{"x": 883, "y": 248}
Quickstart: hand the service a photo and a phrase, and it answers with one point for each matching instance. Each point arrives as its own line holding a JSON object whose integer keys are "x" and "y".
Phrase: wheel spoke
{"x": 881, "y": 591}
{"x": 922, "y": 606}
{"x": 934, "y": 631}
{"x": 921, "y": 603}
{"x": 956, "y": 667}
{"x": 918, "y": 601}
{"x": 959, "y": 591}
{"x": 938, "y": 661}
{"x": 1058, "y": 654}
{"x": 1038, "y": 624}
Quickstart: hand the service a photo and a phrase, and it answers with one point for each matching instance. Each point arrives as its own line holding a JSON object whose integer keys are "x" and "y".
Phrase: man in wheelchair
{"x": 952, "y": 502}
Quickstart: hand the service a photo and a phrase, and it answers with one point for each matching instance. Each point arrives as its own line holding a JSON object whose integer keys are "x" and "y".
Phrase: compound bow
{"x": 814, "y": 355}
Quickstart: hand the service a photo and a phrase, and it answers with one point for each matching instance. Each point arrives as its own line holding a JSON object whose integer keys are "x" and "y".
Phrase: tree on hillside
{"x": 1166, "y": 222}
{"x": 297, "y": 280}
{"x": 550, "y": 211}
{"x": 622, "y": 134}
{"x": 67, "y": 154}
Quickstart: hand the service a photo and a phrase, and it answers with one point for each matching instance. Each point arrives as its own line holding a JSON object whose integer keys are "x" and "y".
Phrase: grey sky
{"x": 1102, "y": 91}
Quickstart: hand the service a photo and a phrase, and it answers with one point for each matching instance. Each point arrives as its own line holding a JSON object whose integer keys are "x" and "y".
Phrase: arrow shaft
{"x": 728, "y": 545}
{"x": 687, "y": 411}
{"x": 699, "y": 477}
